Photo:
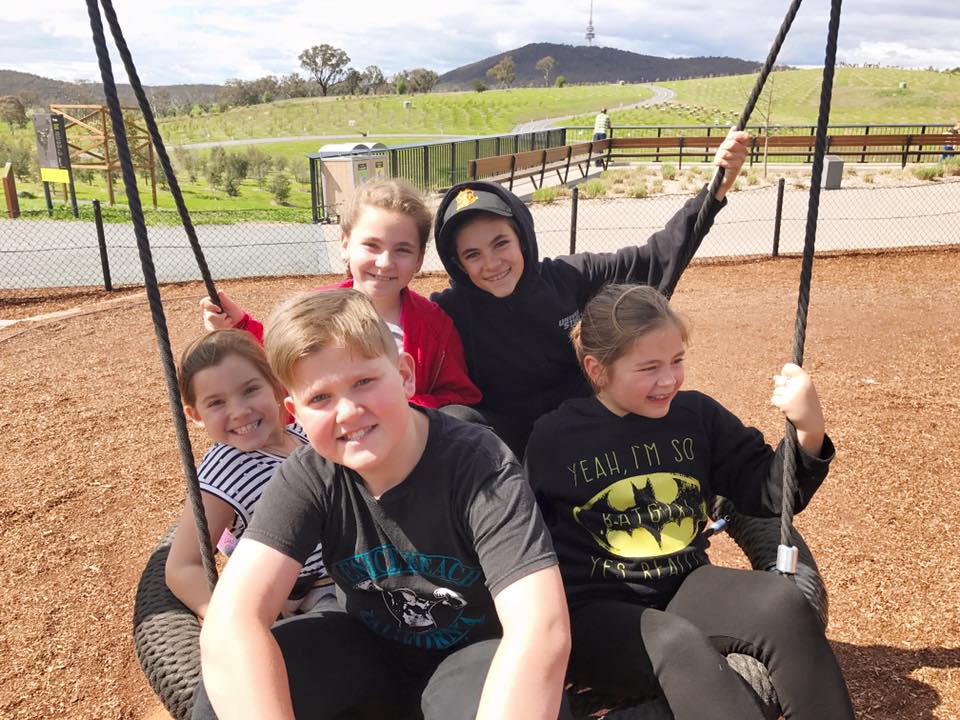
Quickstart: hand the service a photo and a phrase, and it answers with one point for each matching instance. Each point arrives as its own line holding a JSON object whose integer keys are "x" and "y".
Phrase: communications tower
{"x": 590, "y": 33}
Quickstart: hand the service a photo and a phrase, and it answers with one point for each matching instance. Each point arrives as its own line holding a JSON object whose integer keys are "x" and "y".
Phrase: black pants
{"x": 626, "y": 649}
{"x": 339, "y": 670}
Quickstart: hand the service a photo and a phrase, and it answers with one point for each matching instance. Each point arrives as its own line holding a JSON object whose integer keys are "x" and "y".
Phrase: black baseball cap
{"x": 470, "y": 200}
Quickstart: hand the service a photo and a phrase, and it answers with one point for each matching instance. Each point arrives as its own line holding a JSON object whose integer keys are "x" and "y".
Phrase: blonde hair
{"x": 396, "y": 195}
{"x": 212, "y": 349}
{"x": 312, "y": 321}
{"x": 618, "y": 316}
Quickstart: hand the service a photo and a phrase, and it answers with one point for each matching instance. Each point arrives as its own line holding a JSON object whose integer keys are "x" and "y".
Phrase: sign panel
{"x": 52, "y": 149}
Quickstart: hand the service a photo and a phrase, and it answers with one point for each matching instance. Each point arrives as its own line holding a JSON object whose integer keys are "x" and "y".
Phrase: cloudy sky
{"x": 183, "y": 41}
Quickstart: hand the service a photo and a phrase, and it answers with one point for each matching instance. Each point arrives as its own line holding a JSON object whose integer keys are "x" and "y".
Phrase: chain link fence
{"x": 42, "y": 253}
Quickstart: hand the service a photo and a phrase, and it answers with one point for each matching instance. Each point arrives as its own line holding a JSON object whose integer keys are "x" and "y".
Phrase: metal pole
{"x": 46, "y": 194}
{"x": 779, "y": 218}
{"x": 573, "y": 220}
{"x": 314, "y": 202}
{"x": 102, "y": 240}
{"x": 73, "y": 195}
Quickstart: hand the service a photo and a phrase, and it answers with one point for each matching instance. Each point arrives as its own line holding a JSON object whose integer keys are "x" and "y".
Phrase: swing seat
{"x": 166, "y": 633}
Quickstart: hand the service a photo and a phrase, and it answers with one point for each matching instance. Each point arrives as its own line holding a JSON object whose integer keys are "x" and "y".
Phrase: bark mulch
{"x": 91, "y": 477}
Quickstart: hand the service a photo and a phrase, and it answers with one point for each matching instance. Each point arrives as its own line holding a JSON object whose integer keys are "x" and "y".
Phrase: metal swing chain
{"x": 152, "y": 288}
{"x": 706, "y": 209}
{"x": 787, "y": 555}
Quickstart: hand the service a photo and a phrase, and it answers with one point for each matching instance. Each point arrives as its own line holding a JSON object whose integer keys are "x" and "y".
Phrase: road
{"x": 304, "y": 138}
{"x": 40, "y": 253}
{"x": 660, "y": 95}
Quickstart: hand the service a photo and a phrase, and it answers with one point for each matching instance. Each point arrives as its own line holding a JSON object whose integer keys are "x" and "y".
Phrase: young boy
{"x": 514, "y": 311}
{"x": 454, "y": 606}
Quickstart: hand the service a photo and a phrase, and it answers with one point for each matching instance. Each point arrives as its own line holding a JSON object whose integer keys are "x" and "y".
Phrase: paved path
{"x": 660, "y": 95}
{"x": 42, "y": 253}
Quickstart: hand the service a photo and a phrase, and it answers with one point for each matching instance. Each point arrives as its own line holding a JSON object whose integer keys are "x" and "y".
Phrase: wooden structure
{"x": 10, "y": 191}
{"x": 92, "y": 144}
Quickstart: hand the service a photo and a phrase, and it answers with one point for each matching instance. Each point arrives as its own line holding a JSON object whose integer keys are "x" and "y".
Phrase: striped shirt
{"x": 239, "y": 478}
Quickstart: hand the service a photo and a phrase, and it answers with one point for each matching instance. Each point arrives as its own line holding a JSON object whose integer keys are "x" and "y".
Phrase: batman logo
{"x": 645, "y": 516}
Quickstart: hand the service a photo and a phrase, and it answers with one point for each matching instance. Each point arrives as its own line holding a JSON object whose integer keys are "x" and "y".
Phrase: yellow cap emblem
{"x": 465, "y": 198}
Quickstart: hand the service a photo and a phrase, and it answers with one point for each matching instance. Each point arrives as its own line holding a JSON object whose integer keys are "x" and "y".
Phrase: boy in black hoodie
{"x": 514, "y": 311}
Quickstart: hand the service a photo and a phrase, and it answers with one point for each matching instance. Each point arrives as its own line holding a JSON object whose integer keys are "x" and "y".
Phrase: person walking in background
{"x": 953, "y": 138}
{"x": 601, "y": 128}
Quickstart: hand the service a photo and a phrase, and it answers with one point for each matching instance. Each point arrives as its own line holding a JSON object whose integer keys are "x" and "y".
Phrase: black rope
{"x": 806, "y": 272}
{"x": 153, "y": 290}
{"x": 706, "y": 209}
{"x": 161, "y": 149}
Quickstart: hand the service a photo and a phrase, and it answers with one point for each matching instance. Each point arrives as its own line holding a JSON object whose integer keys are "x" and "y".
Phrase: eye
{"x": 470, "y": 255}
{"x": 214, "y": 403}
{"x": 364, "y": 381}
{"x": 678, "y": 361}
{"x": 319, "y": 399}
{"x": 252, "y": 389}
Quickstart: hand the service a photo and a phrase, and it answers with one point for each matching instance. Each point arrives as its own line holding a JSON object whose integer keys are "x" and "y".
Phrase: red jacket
{"x": 430, "y": 337}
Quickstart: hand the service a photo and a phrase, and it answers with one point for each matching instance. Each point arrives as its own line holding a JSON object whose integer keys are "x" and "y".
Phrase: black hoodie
{"x": 518, "y": 348}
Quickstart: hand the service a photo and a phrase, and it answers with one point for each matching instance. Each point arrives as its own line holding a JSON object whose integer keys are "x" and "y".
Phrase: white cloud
{"x": 191, "y": 41}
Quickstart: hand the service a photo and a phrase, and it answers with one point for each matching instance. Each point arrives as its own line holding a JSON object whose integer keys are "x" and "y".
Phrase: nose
{"x": 384, "y": 259}
{"x": 347, "y": 409}
{"x": 666, "y": 378}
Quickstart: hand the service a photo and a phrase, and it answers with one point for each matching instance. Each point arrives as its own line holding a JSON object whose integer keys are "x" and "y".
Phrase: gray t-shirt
{"x": 421, "y": 565}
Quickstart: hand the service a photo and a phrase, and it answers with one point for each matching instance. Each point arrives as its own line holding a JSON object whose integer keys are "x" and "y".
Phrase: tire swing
{"x": 771, "y": 544}
{"x": 166, "y": 633}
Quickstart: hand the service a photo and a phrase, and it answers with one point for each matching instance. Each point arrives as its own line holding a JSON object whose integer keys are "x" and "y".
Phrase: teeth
{"x": 356, "y": 435}
{"x": 501, "y": 276}
{"x": 249, "y": 427}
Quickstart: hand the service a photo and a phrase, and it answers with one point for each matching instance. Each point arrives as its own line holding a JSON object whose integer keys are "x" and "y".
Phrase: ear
{"x": 290, "y": 406}
{"x": 344, "y": 241}
{"x": 193, "y": 415}
{"x": 423, "y": 254}
{"x": 408, "y": 374}
{"x": 595, "y": 371}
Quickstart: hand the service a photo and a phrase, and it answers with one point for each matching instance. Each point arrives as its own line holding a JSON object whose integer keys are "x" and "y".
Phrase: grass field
{"x": 466, "y": 113}
{"x": 860, "y": 95}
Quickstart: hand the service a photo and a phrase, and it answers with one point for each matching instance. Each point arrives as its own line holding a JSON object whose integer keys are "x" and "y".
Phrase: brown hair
{"x": 396, "y": 195}
{"x": 211, "y": 349}
{"x": 617, "y": 317}
{"x": 311, "y": 321}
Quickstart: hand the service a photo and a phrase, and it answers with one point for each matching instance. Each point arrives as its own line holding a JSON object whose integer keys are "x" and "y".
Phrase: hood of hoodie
{"x": 446, "y": 247}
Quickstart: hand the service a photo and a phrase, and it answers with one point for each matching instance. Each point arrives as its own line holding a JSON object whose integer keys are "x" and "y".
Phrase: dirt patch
{"x": 91, "y": 477}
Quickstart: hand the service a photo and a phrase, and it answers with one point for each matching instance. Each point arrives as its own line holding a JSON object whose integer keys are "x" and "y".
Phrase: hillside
{"x": 40, "y": 92}
{"x": 583, "y": 64}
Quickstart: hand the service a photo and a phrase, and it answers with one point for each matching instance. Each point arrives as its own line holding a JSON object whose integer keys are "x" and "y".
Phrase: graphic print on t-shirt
{"x": 645, "y": 516}
{"x": 419, "y": 612}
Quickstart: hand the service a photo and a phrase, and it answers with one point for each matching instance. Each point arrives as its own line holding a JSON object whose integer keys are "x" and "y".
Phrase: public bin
{"x": 346, "y": 166}
{"x": 832, "y": 172}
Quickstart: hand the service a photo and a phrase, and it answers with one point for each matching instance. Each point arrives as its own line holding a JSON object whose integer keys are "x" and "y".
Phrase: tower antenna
{"x": 590, "y": 33}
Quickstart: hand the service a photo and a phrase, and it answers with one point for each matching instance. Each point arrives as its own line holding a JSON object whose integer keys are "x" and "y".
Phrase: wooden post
{"x": 106, "y": 156}
{"x": 779, "y": 218}
{"x": 10, "y": 191}
{"x": 153, "y": 173}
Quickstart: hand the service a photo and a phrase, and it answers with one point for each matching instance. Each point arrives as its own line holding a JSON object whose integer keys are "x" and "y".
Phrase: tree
{"x": 479, "y": 85}
{"x": 295, "y": 86}
{"x": 371, "y": 80}
{"x": 280, "y": 187}
{"x": 504, "y": 72}
{"x": 350, "y": 85}
{"x": 216, "y": 166}
{"x": 401, "y": 83}
{"x": 561, "y": 81}
{"x": 764, "y": 108}
{"x": 326, "y": 63}
{"x": 422, "y": 80}
{"x": 12, "y": 111}
{"x": 259, "y": 164}
{"x": 545, "y": 65}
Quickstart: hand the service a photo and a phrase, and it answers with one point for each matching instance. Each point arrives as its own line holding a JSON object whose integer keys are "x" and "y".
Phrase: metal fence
{"x": 58, "y": 253}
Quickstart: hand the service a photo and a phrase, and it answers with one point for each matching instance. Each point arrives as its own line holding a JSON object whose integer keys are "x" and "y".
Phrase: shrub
{"x": 927, "y": 172}
{"x": 280, "y": 187}
{"x": 951, "y": 167}
{"x": 656, "y": 187}
{"x": 668, "y": 171}
{"x": 479, "y": 85}
{"x": 752, "y": 178}
{"x": 545, "y": 194}
{"x": 638, "y": 191}
{"x": 868, "y": 178}
{"x": 561, "y": 81}
{"x": 593, "y": 189}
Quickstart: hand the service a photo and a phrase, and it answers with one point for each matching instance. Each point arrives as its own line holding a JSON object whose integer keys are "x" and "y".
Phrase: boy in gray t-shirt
{"x": 451, "y": 603}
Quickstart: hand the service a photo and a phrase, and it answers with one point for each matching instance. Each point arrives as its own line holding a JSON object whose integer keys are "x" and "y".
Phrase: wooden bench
{"x": 534, "y": 164}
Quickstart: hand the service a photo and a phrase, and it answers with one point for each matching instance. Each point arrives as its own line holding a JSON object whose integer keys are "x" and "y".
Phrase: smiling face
{"x": 646, "y": 378}
{"x": 382, "y": 251}
{"x": 488, "y": 250}
{"x": 354, "y": 409}
{"x": 237, "y": 406}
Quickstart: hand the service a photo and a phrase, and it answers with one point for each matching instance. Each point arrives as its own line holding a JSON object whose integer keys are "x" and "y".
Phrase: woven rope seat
{"x": 166, "y": 633}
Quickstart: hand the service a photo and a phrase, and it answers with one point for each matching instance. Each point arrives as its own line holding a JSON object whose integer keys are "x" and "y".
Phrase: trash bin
{"x": 832, "y": 172}
{"x": 341, "y": 174}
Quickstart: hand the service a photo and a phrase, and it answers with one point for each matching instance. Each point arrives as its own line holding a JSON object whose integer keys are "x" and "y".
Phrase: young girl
{"x": 514, "y": 311}
{"x": 385, "y": 226}
{"x": 623, "y": 478}
{"x": 228, "y": 389}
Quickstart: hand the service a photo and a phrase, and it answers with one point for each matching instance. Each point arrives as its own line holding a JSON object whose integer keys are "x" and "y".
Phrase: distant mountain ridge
{"x": 588, "y": 64}
{"x": 40, "y": 92}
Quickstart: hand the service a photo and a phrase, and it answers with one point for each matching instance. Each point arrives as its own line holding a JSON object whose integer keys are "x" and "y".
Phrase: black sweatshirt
{"x": 518, "y": 348}
{"x": 625, "y": 498}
